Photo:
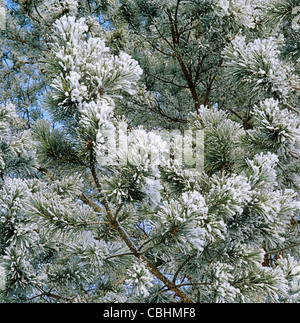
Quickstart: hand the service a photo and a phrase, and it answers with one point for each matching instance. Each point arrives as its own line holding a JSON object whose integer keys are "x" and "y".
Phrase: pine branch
{"x": 81, "y": 197}
{"x": 134, "y": 249}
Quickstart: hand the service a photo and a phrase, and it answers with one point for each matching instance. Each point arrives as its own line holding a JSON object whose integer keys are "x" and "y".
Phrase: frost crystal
{"x": 257, "y": 66}
{"x": 241, "y": 10}
{"x": 140, "y": 278}
{"x": 281, "y": 123}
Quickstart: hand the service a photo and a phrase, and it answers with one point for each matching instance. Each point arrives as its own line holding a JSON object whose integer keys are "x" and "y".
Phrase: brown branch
{"x": 190, "y": 82}
{"x": 90, "y": 203}
{"x": 283, "y": 249}
{"x": 120, "y": 255}
{"x": 187, "y": 74}
{"x": 208, "y": 91}
{"x": 165, "y": 115}
{"x": 245, "y": 122}
{"x": 183, "y": 265}
{"x": 291, "y": 108}
{"x": 97, "y": 223}
{"x": 42, "y": 170}
{"x": 159, "y": 111}
{"x": 294, "y": 154}
{"x": 168, "y": 81}
{"x": 200, "y": 63}
{"x": 176, "y": 10}
{"x": 157, "y": 48}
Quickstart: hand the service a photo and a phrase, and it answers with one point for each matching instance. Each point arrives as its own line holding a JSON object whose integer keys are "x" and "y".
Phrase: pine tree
{"x": 97, "y": 203}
